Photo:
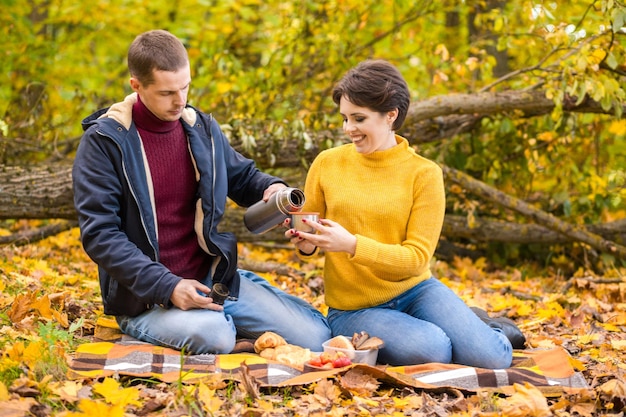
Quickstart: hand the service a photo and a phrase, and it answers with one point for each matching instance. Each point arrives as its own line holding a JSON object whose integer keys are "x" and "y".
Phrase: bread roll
{"x": 268, "y": 353}
{"x": 268, "y": 340}
{"x": 292, "y": 355}
{"x": 341, "y": 342}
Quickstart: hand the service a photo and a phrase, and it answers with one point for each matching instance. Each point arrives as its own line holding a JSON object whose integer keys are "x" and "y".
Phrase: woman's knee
{"x": 436, "y": 348}
{"x": 488, "y": 358}
{"x": 501, "y": 362}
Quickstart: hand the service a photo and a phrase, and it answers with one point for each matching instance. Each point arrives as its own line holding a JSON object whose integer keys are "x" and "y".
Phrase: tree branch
{"x": 543, "y": 218}
{"x": 530, "y": 103}
{"x": 35, "y": 235}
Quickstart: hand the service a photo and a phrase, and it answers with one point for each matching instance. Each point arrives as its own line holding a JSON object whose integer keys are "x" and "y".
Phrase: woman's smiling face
{"x": 370, "y": 131}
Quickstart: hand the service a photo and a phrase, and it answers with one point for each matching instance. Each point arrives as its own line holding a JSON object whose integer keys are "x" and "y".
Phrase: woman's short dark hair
{"x": 377, "y": 85}
{"x": 155, "y": 50}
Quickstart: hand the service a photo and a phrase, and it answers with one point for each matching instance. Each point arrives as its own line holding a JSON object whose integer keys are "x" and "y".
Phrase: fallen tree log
{"x": 40, "y": 192}
{"x": 528, "y": 102}
{"x": 441, "y": 117}
{"x": 576, "y": 233}
{"x": 494, "y": 230}
{"x": 44, "y": 193}
{"x": 28, "y": 236}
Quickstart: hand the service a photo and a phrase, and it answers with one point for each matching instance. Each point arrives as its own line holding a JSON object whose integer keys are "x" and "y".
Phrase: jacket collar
{"x": 122, "y": 112}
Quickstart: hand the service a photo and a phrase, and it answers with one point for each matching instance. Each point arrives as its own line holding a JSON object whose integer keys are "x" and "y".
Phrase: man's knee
{"x": 216, "y": 341}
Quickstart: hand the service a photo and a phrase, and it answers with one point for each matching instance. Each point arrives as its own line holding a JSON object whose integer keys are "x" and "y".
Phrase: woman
{"x": 381, "y": 211}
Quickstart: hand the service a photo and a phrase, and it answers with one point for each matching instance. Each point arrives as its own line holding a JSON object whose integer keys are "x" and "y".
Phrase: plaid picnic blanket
{"x": 553, "y": 371}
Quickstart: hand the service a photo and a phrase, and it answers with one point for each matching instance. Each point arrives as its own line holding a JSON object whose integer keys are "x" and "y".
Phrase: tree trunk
{"x": 36, "y": 193}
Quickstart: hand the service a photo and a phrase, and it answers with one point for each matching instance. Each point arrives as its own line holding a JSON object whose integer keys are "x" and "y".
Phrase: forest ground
{"x": 50, "y": 302}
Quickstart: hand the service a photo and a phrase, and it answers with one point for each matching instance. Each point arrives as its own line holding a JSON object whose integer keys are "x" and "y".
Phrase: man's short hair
{"x": 155, "y": 50}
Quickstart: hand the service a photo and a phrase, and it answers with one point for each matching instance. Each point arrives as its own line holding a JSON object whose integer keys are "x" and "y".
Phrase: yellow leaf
{"x": 15, "y": 352}
{"x": 415, "y": 401}
{"x": 400, "y": 402}
{"x": 498, "y": 24}
{"x": 618, "y": 127}
{"x": 21, "y": 307}
{"x": 472, "y": 63}
{"x": 546, "y": 136}
{"x": 618, "y": 344}
{"x": 106, "y": 386}
{"x": 597, "y": 56}
{"x": 107, "y": 322}
{"x": 223, "y": 87}
{"x": 34, "y": 353}
{"x": 107, "y": 329}
{"x": 365, "y": 400}
{"x": 576, "y": 364}
{"x": 42, "y": 305}
{"x": 439, "y": 77}
{"x": 212, "y": 402}
{"x": 61, "y": 318}
{"x": 112, "y": 392}
{"x": 613, "y": 389}
{"x": 610, "y": 327}
{"x": 587, "y": 338}
{"x": 581, "y": 63}
{"x": 443, "y": 51}
{"x": 525, "y": 309}
{"x": 97, "y": 408}
{"x": 471, "y": 220}
{"x": 527, "y": 401}
{"x": 44, "y": 381}
{"x": 4, "y": 392}
{"x": 66, "y": 390}
{"x": 326, "y": 392}
{"x": 265, "y": 405}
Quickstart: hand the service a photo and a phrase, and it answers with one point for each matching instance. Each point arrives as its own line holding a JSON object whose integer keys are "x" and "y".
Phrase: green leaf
{"x": 618, "y": 16}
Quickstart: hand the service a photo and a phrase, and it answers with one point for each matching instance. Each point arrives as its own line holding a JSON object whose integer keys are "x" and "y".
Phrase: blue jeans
{"x": 261, "y": 307}
{"x": 428, "y": 323}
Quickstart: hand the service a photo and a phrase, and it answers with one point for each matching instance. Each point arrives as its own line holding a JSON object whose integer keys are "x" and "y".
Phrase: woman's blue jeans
{"x": 428, "y": 323}
{"x": 260, "y": 307}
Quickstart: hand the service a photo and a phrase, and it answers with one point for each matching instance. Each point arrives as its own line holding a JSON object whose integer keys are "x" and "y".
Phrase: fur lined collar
{"x": 123, "y": 112}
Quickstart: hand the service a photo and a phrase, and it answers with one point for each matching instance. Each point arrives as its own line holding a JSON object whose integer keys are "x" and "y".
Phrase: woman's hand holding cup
{"x": 301, "y": 221}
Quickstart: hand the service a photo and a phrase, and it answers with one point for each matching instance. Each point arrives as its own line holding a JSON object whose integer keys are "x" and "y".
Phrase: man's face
{"x": 167, "y": 95}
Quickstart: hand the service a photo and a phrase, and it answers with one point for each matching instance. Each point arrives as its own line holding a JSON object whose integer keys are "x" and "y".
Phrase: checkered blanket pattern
{"x": 551, "y": 370}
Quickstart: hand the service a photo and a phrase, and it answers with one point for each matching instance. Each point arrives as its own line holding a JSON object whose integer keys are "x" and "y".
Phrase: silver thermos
{"x": 263, "y": 216}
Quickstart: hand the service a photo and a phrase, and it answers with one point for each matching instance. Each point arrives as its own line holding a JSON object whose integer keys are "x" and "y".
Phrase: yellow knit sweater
{"x": 394, "y": 202}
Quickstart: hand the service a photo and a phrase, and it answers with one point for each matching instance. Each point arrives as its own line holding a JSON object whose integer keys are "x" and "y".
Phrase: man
{"x": 151, "y": 179}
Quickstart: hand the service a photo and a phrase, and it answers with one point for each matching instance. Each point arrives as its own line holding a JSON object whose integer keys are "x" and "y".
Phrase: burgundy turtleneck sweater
{"x": 175, "y": 187}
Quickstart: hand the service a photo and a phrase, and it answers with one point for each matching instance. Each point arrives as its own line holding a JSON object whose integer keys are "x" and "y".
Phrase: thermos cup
{"x": 266, "y": 215}
{"x": 219, "y": 293}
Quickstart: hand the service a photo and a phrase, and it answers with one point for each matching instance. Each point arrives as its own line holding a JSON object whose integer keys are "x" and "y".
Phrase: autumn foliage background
{"x": 265, "y": 70}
